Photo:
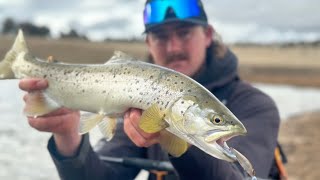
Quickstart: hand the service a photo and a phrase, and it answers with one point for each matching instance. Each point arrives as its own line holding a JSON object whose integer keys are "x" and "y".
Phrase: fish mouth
{"x": 225, "y": 149}
{"x": 218, "y": 139}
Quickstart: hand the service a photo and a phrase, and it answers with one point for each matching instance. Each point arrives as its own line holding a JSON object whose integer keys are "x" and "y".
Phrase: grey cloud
{"x": 274, "y": 13}
{"x": 116, "y": 23}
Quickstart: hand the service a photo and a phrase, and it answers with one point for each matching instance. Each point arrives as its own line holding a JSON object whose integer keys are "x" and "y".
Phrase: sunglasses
{"x": 155, "y": 10}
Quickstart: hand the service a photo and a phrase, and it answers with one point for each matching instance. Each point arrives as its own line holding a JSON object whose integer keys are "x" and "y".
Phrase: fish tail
{"x": 18, "y": 47}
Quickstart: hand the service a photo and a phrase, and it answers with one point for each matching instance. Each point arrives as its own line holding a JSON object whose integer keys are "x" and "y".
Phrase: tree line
{"x": 9, "y": 26}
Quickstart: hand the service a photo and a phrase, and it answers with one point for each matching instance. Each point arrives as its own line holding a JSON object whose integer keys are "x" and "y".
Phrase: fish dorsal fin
{"x": 172, "y": 144}
{"x": 39, "y": 104}
{"x": 20, "y": 44}
{"x": 152, "y": 120}
{"x": 108, "y": 127}
{"x": 119, "y": 56}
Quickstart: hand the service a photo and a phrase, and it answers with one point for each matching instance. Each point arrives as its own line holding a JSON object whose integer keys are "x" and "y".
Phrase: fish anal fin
{"x": 152, "y": 120}
{"x": 174, "y": 145}
{"x": 38, "y": 104}
{"x": 108, "y": 127}
{"x": 88, "y": 123}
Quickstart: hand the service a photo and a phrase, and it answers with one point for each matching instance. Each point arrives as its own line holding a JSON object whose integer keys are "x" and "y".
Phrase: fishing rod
{"x": 146, "y": 164}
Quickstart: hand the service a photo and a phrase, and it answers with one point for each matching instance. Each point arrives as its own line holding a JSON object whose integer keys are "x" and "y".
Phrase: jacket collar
{"x": 217, "y": 72}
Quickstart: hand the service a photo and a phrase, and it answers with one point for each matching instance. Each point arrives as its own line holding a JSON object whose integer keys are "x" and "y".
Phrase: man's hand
{"x": 137, "y": 135}
{"x": 63, "y": 123}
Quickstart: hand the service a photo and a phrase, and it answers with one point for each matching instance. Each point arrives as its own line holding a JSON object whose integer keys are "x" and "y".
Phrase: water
{"x": 23, "y": 153}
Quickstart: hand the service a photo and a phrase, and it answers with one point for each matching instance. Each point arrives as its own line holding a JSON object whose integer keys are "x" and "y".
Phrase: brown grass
{"x": 299, "y": 137}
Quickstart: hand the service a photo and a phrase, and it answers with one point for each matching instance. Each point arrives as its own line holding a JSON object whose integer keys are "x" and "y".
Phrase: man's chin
{"x": 178, "y": 65}
{"x": 181, "y": 69}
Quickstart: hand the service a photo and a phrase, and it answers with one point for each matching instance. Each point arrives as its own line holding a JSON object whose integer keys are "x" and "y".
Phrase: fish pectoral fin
{"x": 38, "y": 104}
{"x": 172, "y": 144}
{"x": 88, "y": 123}
{"x": 152, "y": 120}
{"x": 108, "y": 127}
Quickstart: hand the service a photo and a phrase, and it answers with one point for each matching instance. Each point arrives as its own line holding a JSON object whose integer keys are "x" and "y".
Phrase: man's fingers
{"x": 131, "y": 127}
{"x": 32, "y": 84}
{"x": 134, "y": 116}
{"x": 136, "y": 137}
{"x": 56, "y": 122}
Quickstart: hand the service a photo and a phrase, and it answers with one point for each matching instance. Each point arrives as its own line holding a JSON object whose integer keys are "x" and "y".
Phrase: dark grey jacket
{"x": 255, "y": 109}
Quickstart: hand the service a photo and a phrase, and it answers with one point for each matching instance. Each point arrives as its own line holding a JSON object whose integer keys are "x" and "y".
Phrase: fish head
{"x": 208, "y": 126}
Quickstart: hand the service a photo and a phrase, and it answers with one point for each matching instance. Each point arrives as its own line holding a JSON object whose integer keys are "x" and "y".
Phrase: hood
{"x": 218, "y": 71}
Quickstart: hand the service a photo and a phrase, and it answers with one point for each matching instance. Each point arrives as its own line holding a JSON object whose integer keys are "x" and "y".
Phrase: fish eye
{"x": 216, "y": 119}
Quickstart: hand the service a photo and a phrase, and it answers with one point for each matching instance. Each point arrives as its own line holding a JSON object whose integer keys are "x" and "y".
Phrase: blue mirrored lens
{"x": 155, "y": 11}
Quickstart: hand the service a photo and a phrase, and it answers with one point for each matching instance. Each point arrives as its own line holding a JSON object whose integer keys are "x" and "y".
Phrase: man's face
{"x": 180, "y": 46}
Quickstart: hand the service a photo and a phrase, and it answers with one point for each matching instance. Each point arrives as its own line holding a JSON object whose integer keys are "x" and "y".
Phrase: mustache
{"x": 176, "y": 56}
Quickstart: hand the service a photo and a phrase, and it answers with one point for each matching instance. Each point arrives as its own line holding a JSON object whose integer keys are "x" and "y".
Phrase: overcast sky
{"x": 237, "y": 21}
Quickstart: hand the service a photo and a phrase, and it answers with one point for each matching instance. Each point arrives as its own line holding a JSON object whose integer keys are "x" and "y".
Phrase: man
{"x": 178, "y": 37}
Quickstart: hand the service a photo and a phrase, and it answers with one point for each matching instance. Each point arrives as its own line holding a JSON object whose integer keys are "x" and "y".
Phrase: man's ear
{"x": 209, "y": 32}
{"x": 146, "y": 40}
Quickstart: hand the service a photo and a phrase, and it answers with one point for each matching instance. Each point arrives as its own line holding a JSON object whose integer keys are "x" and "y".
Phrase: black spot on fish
{"x": 182, "y": 102}
{"x": 104, "y": 92}
{"x": 96, "y": 81}
{"x": 151, "y": 77}
{"x": 182, "y": 82}
{"x": 181, "y": 90}
{"x": 83, "y": 90}
{"x": 189, "y": 90}
{"x": 181, "y": 112}
{"x": 45, "y": 76}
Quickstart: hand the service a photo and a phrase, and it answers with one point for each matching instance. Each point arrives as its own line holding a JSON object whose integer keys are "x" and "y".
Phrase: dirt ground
{"x": 297, "y": 65}
{"x": 299, "y": 137}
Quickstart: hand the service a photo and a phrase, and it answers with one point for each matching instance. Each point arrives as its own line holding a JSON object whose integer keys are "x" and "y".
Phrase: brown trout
{"x": 182, "y": 110}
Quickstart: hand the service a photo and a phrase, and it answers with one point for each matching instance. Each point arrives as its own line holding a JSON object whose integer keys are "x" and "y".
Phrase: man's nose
{"x": 174, "y": 43}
